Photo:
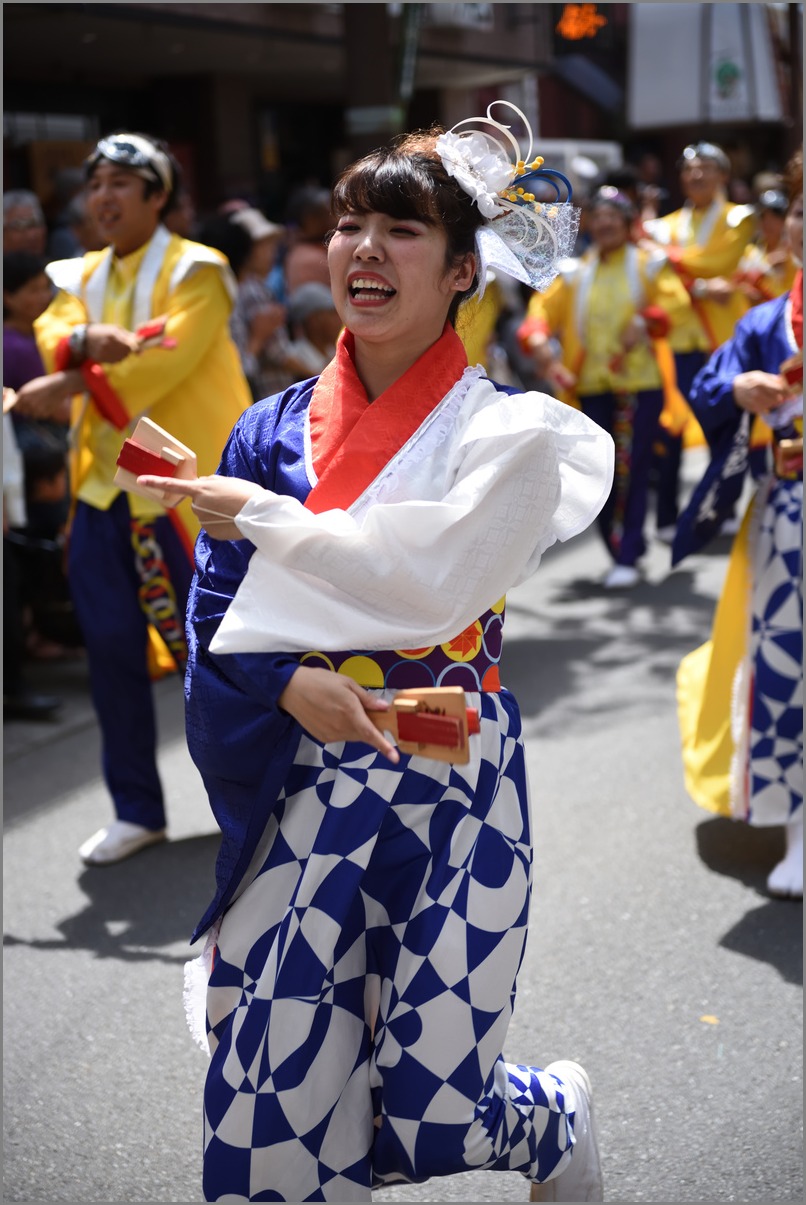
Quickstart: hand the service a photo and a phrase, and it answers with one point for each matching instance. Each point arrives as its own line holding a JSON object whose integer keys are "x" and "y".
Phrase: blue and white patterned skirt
{"x": 363, "y": 980}
{"x": 773, "y": 728}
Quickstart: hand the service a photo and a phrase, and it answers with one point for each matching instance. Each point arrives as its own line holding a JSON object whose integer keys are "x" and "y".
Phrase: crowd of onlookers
{"x": 283, "y": 323}
{"x": 285, "y": 327}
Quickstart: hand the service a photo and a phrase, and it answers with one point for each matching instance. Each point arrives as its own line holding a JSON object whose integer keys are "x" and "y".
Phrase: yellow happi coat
{"x": 702, "y": 244}
{"x": 196, "y": 390}
{"x": 587, "y": 308}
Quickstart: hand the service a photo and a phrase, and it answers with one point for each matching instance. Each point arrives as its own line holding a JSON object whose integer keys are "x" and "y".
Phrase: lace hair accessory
{"x": 523, "y": 235}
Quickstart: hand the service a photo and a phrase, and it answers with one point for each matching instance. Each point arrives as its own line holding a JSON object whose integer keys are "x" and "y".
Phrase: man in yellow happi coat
{"x": 612, "y": 311}
{"x": 130, "y": 561}
{"x": 704, "y": 242}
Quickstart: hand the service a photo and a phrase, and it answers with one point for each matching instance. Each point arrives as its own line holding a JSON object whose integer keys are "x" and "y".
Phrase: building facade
{"x": 256, "y": 99}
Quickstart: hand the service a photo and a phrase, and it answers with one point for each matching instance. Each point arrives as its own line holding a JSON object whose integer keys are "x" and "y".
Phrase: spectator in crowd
{"x": 130, "y": 561}
{"x": 315, "y": 326}
{"x": 27, "y": 292}
{"x": 653, "y": 195}
{"x": 82, "y": 227}
{"x": 181, "y": 219}
{"x": 611, "y": 311}
{"x": 704, "y": 241}
{"x": 24, "y": 227}
{"x": 63, "y": 242}
{"x": 19, "y": 701}
{"x": 258, "y": 322}
{"x": 310, "y": 218}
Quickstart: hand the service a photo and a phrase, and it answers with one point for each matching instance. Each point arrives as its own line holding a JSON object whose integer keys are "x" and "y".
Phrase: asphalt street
{"x": 655, "y": 957}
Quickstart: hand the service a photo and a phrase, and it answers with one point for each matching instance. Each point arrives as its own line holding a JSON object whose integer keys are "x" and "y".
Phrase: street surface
{"x": 655, "y": 957}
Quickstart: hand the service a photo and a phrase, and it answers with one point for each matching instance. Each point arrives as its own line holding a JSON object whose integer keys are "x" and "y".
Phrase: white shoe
{"x": 621, "y": 577}
{"x": 786, "y": 879}
{"x": 581, "y": 1178}
{"x": 730, "y": 527}
{"x": 666, "y": 535}
{"x": 117, "y": 841}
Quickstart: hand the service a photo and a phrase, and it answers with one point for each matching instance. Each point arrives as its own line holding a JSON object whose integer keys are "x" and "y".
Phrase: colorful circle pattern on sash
{"x": 469, "y": 660}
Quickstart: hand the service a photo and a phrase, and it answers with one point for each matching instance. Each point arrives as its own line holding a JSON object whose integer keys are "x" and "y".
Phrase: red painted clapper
{"x": 430, "y": 722}
{"x": 149, "y": 449}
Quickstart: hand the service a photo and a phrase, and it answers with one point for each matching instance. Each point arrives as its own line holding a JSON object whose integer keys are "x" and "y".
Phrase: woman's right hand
{"x": 332, "y": 707}
{"x": 215, "y": 500}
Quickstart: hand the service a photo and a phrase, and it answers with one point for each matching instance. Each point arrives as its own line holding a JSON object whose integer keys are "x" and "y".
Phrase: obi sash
{"x": 469, "y": 660}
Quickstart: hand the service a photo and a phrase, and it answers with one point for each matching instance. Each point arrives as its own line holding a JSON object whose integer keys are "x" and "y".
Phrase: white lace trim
{"x": 194, "y": 995}
{"x": 431, "y": 434}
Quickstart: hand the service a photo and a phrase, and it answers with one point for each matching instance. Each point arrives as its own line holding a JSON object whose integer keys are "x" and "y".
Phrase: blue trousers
{"x": 621, "y": 519}
{"x": 122, "y": 577}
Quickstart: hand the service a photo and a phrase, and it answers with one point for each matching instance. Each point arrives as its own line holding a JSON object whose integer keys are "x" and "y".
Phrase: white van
{"x": 582, "y": 161}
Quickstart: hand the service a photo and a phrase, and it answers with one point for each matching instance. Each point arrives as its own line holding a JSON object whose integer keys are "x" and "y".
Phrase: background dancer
{"x": 741, "y": 694}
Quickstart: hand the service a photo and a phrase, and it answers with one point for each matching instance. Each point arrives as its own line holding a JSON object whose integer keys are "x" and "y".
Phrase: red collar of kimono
{"x": 797, "y": 308}
{"x": 351, "y": 439}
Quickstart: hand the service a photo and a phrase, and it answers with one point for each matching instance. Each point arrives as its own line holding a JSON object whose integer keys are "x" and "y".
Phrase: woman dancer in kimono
{"x": 740, "y": 695}
{"x": 371, "y": 911}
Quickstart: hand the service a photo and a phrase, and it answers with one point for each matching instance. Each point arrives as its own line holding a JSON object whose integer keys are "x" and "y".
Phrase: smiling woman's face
{"x": 389, "y": 278}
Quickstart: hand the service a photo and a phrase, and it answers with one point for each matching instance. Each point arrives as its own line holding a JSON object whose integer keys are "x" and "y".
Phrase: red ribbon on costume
{"x": 673, "y": 254}
{"x": 353, "y": 439}
{"x": 107, "y": 401}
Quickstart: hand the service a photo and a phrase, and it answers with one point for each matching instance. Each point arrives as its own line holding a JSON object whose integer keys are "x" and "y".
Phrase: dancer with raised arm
{"x": 372, "y": 905}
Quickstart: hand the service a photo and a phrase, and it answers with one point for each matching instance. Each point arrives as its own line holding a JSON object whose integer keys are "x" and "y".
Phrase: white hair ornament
{"x": 522, "y": 236}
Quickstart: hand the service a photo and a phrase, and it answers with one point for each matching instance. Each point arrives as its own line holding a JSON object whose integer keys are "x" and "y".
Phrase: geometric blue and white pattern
{"x": 776, "y": 655}
{"x": 364, "y": 980}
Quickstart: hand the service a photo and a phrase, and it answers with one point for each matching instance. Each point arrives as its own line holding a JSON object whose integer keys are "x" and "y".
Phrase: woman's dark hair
{"x": 612, "y": 197}
{"x": 20, "y": 267}
{"x": 407, "y": 180}
{"x": 227, "y": 237}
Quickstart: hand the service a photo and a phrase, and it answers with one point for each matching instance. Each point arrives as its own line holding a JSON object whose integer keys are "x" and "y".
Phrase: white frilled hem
{"x": 459, "y": 516}
{"x": 197, "y": 978}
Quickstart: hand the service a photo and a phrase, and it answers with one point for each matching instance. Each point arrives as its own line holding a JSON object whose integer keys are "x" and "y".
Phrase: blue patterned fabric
{"x": 240, "y": 741}
{"x": 364, "y": 979}
{"x": 776, "y": 653}
{"x": 760, "y": 341}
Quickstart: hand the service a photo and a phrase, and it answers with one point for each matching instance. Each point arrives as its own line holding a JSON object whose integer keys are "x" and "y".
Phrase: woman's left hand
{"x": 215, "y": 500}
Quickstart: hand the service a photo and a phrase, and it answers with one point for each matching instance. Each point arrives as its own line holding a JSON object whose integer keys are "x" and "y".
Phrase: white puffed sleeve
{"x": 442, "y": 534}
